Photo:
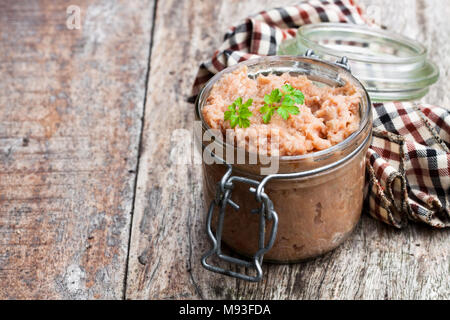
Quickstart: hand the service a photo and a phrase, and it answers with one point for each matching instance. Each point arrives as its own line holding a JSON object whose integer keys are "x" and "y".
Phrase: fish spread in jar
{"x": 316, "y": 213}
{"x": 327, "y": 117}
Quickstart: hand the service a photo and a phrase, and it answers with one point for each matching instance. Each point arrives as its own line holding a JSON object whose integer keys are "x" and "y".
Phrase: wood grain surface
{"x": 71, "y": 103}
{"x": 168, "y": 234}
{"x": 94, "y": 202}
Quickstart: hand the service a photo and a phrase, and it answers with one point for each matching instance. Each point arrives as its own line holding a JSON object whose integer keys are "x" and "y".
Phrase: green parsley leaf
{"x": 239, "y": 113}
{"x": 267, "y": 112}
{"x": 248, "y": 103}
{"x": 283, "y": 113}
{"x": 285, "y": 110}
{"x": 287, "y": 88}
{"x": 295, "y": 94}
{"x": 274, "y": 97}
{"x": 288, "y": 96}
{"x": 268, "y": 115}
{"x": 245, "y": 113}
{"x": 228, "y": 114}
{"x": 234, "y": 121}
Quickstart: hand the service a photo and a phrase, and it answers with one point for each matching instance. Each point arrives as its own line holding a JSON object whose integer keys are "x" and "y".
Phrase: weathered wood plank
{"x": 168, "y": 224}
{"x": 168, "y": 211}
{"x": 71, "y": 103}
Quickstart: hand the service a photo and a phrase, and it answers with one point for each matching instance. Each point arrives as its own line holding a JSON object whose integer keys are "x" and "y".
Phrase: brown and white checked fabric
{"x": 408, "y": 163}
{"x": 260, "y": 34}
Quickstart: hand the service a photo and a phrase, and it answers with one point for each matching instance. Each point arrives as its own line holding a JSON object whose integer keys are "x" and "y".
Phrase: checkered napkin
{"x": 408, "y": 162}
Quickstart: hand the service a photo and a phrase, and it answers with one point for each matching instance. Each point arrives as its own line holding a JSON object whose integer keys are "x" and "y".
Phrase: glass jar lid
{"x": 389, "y": 65}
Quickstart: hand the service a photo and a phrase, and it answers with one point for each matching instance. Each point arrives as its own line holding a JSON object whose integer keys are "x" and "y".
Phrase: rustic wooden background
{"x": 92, "y": 205}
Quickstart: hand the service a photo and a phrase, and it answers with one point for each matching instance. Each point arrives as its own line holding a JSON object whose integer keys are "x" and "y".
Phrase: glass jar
{"x": 389, "y": 65}
{"x": 316, "y": 198}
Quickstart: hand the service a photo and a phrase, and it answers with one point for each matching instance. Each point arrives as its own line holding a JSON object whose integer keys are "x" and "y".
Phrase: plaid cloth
{"x": 408, "y": 163}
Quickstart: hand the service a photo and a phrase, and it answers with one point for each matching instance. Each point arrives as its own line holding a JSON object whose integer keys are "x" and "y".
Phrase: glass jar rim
{"x": 390, "y": 65}
{"x": 362, "y": 30}
{"x": 365, "y": 99}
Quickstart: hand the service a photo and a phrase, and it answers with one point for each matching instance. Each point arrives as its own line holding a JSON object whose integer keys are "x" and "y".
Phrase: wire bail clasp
{"x": 265, "y": 211}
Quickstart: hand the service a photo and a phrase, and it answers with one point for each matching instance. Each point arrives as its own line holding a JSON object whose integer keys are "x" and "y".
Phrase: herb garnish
{"x": 239, "y": 116}
{"x": 290, "y": 96}
{"x": 283, "y": 101}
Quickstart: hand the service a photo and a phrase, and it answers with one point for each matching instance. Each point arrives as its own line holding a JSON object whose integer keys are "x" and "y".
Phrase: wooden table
{"x": 93, "y": 205}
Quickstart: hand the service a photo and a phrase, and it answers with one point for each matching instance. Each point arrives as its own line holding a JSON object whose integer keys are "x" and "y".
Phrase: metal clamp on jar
{"x": 308, "y": 207}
